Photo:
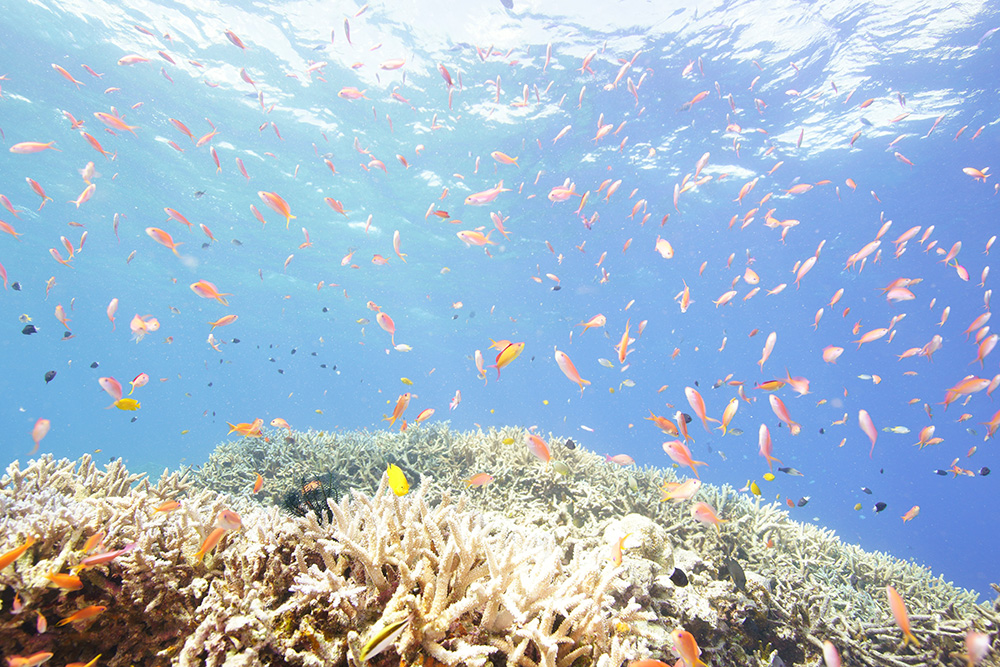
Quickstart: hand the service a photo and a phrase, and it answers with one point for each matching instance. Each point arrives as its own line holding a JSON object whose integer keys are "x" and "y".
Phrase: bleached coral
{"x": 292, "y": 590}
{"x": 517, "y": 572}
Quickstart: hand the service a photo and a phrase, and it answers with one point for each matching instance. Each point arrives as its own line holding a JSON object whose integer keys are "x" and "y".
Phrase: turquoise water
{"x": 317, "y": 358}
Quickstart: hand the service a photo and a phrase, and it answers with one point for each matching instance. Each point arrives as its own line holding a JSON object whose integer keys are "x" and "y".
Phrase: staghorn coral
{"x": 514, "y": 573}
{"x": 289, "y": 590}
{"x": 810, "y": 586}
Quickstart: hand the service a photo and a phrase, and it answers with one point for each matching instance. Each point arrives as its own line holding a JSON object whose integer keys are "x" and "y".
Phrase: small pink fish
{"x": 40, "y": 430}
{"x": 140, "y": 381}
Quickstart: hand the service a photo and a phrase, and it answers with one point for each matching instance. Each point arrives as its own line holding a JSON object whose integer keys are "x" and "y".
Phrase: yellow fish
{"x": 127, "y": 404}
{"x": 397, "y": 480}
{"x": 754, "y": 489}
{"x": 858, "y": 506}
{"x": 508, "y": 441}
{"x": 769, "y": 476}
{"x": 407, "y": 381}
{"x": 561, "y": 468}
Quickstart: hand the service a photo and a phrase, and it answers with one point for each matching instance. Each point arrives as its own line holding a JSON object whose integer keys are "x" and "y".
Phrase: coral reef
{"x": 521, "y": 571}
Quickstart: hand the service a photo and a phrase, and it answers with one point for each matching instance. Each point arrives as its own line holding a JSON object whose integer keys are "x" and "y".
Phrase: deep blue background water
{"x": 929, "y": 55}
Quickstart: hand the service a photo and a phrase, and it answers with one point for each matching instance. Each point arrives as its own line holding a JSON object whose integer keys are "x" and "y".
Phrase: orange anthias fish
{"x": 686, "y": 647}
{"x": 663, "y": 423}
{"x": 781, "y": 412}
{"x": 69, "y": 582}
{"x": 402, "y": 403}
{"x": 82, "y": 615}
{"x": 569, "y": 370}
{"x": 32, "y": 660}
{"x": 12, "y": 555}
{"x": 277, "y": 204}
{"x": 704, "y": 513}
{"x": 251, "y": 430}
{"x": 207, "y": 290}
{"x": 622, "y": 347}
{"x": 728, "y": 414}
{"x": 679, "y": 491}
{"x": 898, "y": 608}
{"x": 698, "y": 405}
{"x": 479, "y": 479}
{"x": 595, "y": 321}
{"x": 538, "y": 448}
{"x": 681, "y": 455}
{"x": 163, "y": 238}
{"x": 764, "y": 442}
{"x": 486, "y": 196}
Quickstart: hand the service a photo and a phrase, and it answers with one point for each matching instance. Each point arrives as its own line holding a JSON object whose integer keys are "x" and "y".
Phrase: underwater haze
{"x": 702, "y": 175}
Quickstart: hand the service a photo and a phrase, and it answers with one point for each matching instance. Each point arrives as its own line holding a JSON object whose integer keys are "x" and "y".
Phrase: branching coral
{"x": 518, "y": 572}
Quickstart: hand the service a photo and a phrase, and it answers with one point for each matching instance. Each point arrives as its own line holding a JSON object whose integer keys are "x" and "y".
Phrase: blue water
{"x": 932, "y": 56}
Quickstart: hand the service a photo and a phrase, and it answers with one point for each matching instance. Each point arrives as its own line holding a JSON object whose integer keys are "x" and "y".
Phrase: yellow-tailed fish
{"x": 127, "y": 404}
{"x": 407, "y": 381}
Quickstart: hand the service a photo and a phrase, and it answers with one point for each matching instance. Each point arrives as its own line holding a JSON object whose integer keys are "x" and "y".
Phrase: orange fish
{"x": 479, "y": 479}
{"x": 207, "y": 290}
{"x": 32, "y": 660}
{"x": 678, "y": 491}
{"x": 663, "y": 423}
{"x": 12, "y": 555}
{"x": 258, "y": 483}
{"x": 210, "y": 542}
{"x": 898, "y": 608}
{"x": 163, "y": 238}
{"x": 705, "y": 513}
{"x": 402, "y": 403}
{"x": 538, "y": 448}
{"x": 616, "y": 550}
{"x": 686, "y": 647}
{"x": 698, "y": 405}
{"x": 223, "y": 321}
{"x": 569, "y": 370}
{"x": 69, "y": 582}
{"x": 168, "y": 506}
{"x": 82, "y": 615}
{"x": 781, "y": 412}
{"x": 622, "y": 346}
{"x": 387, "y": 325}
{"x": 251, "y": 430}
{"x": 595, "y": 321}
{"x": 728, "y": 414}
{"x": 764, "y": 443}
{"x": 276, "y": 204}
{"x": 681, "y": 455}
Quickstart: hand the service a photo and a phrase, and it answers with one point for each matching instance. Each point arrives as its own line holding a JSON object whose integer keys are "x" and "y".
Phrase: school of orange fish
{"x": 750, "y": 171}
